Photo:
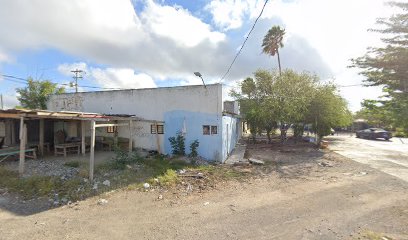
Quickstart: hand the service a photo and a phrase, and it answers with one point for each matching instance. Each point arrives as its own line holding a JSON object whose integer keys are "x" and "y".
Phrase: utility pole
{"x": 77, "y": 75}
{"x": 1, "y": 100}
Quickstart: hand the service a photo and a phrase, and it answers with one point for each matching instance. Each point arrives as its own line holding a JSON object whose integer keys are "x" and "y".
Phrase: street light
{"x": 198, "y": 74}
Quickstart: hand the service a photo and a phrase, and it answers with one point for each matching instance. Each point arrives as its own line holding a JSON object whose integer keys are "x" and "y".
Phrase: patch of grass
{"x": 73, "y": 164}
{"x": 169, "y": 178}
{"x": 119, "y": 161}
{"x": 39, "y": 186}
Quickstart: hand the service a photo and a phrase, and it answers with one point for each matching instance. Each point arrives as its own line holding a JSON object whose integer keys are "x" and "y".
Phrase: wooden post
{"x": 92, "y": 154}
{"x": 41, "y": 145}
{"x": 83, "y": 146}
{"x": 23, "y": 133}
{"x": 157, "y": 138}
{"x": 130, "y": 136}
{"x": 13, "y": 133}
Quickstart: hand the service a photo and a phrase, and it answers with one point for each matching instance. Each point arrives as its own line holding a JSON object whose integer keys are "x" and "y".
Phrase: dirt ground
{"x": 300, "y": 193}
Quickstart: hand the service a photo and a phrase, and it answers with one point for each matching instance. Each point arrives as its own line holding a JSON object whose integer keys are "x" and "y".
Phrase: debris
{"x": 362, "y": 173}
{"x": 189, "y": 188}
{"x": 56, "y": 203}
{"x": 102, "y": 201}
{"x": 206, "y": 203}
{"x": 256, "y": 161}
{"x": 129, "y": 167}
{"x": 246, "y": 163}
{"x": 156, "y": 180}
{"x": 160, "y": 197}
{"x": 146, "y": 185}
{"x": 325, "y": 164}
{"x": 95, "y": 186}
{"x": 182, "y": 171}
{"x": 106, "y": 183}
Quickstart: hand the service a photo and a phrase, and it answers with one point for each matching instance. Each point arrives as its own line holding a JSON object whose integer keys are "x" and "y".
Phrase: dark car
{"x": 373, "y": 133}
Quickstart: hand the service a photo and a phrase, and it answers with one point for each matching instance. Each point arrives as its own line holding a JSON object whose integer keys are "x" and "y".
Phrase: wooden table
{"x": 65, "y": 148}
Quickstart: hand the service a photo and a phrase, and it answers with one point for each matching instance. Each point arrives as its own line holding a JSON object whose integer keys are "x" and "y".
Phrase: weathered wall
{"x": 2, "y": 129}
{"x": 146, "y": 103}
{"x": 230, "y": 135}
{"x": 194, "y": 105}
{"x": 191, "y": 123}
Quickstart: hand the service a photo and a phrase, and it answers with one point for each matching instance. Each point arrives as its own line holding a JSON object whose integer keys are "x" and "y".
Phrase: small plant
{"x": 169, "y": 178}
{"x": 178, "y": 144}
{"x": 73, "y": 164}
{"x": 193, "y": 148}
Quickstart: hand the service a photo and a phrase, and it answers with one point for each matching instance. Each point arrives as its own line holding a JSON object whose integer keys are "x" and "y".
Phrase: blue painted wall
{"x": 210, "y": 146}
{"x": 229, "y": 135}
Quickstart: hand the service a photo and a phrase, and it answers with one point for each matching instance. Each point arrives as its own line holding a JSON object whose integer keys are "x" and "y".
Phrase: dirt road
{"x": 388, "y": 156}
{"x": 299, "y": 194}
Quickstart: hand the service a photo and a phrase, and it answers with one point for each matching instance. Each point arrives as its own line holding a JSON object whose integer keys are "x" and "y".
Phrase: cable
{"x": 24, "y": 81}
{"x": 243, "y": 44}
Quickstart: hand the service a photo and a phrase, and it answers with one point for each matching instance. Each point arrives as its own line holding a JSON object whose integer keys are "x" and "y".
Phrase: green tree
{"x": 272, "y": 42}
{"x": 291, "y": 99}
{"x": 387, "y": 66}
{"x": 36, "y": 94}
{"x": 327, "y": 110}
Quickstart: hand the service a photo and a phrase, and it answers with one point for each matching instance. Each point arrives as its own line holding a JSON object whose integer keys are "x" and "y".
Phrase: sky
{"x": 148, "y": 44}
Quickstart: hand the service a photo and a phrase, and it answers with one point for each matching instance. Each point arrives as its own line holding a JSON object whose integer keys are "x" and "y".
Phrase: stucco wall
{"x": 146, "y": 103}
{"x": 194, "y": 105}
{"x": 210, "y": 146}
{"x": 230, "y": 135}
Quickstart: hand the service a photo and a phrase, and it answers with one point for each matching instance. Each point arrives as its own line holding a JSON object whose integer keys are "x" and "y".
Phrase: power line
{"x": 25, "y": 81}
{"x": 246, "y": 39}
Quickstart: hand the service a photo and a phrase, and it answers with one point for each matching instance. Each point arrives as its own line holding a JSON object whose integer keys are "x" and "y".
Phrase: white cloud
{"x": 121, "y": 78}
{"x": 110, "y": 77}
{"x": 228, "y": 14}
{"x": 10, "y": 100}
{"x": 178, "y": 24}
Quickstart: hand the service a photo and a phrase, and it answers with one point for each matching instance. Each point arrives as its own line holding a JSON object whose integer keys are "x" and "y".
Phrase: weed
{"x": 73, "y": 164}
{"x": 169, "y": 178}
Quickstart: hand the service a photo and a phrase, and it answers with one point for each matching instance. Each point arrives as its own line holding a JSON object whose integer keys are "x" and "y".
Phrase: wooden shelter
{"x": 96, "y": 120}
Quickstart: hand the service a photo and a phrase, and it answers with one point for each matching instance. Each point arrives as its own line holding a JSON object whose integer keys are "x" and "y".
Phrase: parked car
{"x": 374, "y": 133}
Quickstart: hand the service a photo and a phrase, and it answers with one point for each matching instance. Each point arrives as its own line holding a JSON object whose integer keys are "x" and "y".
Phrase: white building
{"x": 197, "y": 112}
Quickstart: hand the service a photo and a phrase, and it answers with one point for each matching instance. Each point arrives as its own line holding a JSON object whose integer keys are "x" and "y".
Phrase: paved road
{"x": 387, "y": 156}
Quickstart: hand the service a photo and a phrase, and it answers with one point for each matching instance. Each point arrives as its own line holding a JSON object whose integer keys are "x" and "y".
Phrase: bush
{"x": 178, "y": 145}
{"x": 193, "y": 148}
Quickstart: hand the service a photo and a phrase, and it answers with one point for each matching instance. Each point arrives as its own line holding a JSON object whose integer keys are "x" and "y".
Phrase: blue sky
{"x": 146, "y": 43}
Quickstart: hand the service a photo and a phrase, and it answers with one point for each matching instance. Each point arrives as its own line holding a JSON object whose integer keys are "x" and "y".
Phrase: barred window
{"x": 159, "y": 129}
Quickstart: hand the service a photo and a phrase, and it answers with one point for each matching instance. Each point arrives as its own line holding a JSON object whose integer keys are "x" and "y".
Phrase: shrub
{"x": 193, "y": 148}
{"x": 178, "y": 144}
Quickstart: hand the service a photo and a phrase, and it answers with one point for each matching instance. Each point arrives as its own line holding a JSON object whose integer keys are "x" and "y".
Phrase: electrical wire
{"x": 25, "y": 81}
{"x": 243, "y": 44}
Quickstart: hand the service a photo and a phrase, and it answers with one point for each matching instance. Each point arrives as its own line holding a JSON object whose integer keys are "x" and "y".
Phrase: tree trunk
{"x": 279, "y": 63}
{"x": 283, "y": 133}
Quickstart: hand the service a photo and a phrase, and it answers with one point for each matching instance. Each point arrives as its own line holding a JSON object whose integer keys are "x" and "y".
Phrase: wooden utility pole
{"x": 77, "y": 75}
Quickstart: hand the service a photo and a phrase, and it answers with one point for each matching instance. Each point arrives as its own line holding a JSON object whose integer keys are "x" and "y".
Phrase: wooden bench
{"x": 7, "y": 152}
{"x": 65, "y": 148}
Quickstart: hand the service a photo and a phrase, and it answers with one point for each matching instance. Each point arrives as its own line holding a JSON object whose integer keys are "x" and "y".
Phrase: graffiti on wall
{"x": 73, "y": 103}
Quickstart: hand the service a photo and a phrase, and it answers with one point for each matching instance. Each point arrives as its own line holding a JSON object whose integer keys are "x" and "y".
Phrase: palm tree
{"x": 272, "y": 42}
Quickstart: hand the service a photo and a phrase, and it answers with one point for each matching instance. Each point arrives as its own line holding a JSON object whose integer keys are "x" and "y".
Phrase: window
{"x": 159, "y": 129}
{"x": 111, "y": 129}
{"x": 213, "y": 130}
{"x": 206, "y": 130}
{"x": 210, "y": 130}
